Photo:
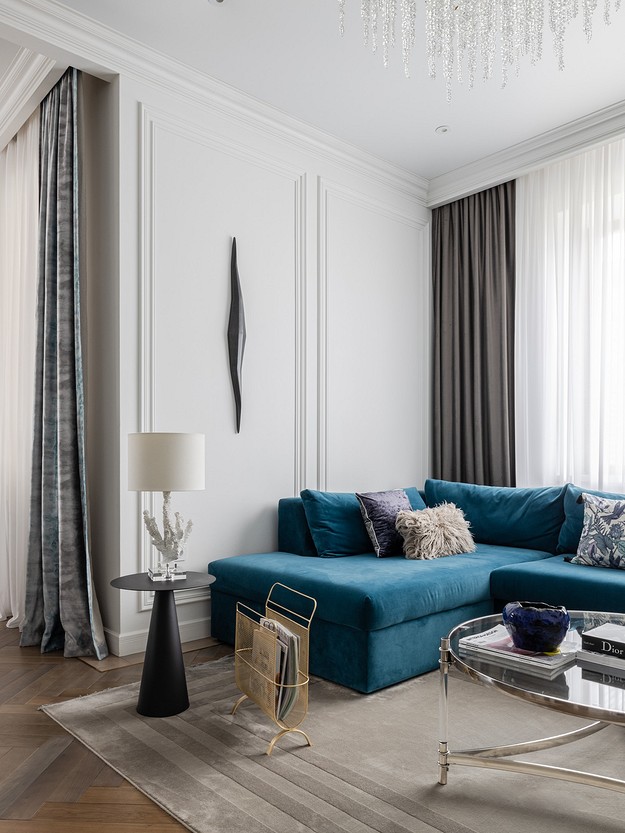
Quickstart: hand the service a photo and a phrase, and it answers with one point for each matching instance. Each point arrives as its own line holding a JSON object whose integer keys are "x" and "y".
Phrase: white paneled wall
{"x": 333, "y": 264}
{"x": 375, "y": 357}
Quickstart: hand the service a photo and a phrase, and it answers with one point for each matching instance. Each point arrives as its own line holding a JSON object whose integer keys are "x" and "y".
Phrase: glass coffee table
{"x": 575, "y": 691}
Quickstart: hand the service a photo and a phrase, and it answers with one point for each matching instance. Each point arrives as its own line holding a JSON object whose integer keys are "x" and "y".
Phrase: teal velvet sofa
{"x": 380, "y": 620}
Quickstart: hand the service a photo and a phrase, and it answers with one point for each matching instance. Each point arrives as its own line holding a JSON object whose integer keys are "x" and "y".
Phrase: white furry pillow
{"x": 435, "y": 532}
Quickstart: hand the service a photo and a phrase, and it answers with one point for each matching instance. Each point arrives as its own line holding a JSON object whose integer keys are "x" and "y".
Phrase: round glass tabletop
{"x": 579, "y": 690}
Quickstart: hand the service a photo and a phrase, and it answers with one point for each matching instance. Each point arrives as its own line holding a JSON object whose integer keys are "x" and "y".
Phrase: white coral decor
{"x": 171, "y": 543}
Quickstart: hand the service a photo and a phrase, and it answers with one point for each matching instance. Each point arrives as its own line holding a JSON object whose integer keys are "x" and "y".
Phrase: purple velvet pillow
{"x": 379, "y": 511}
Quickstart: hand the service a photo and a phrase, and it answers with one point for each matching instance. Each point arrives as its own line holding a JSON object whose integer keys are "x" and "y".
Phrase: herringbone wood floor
{"x": 49, "y": 782}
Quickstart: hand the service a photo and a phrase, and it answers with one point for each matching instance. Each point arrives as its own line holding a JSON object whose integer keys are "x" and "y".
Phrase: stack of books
{"x": 602, "y": 655}
{"x": 496, "y": 646}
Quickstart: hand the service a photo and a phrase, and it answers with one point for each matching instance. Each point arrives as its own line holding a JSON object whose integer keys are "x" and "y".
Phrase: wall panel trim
{"x": 326, "y": 191}
{"x": 153, "y": 121}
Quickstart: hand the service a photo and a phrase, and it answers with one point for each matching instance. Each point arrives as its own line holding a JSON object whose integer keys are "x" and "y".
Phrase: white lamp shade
{"x": 160, "y": 462}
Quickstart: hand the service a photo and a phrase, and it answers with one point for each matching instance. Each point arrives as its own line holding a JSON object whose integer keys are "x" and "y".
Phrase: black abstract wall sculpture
{"x": 236, "y": 332}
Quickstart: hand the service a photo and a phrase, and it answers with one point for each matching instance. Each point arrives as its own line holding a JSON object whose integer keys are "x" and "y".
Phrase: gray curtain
{"x": 473, "y": 265}
{"x": 61, "y": 609}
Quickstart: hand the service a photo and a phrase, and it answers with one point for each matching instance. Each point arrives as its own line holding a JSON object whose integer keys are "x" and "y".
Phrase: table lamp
{"x": 166, "y": 462}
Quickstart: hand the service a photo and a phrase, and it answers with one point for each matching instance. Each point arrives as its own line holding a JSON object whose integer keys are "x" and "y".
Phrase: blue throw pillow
{"x": 602, "y": 542}
{"x": 574, "y": 515}
{"x": 529, "y": 518}
{"x": 379, "y": 512}
{"x": 336, "y": 522}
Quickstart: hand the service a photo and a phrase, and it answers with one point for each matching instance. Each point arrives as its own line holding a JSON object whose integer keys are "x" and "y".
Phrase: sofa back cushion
{"x": 336, "y": 523}
{"x": 574, "y": 515}
{"x": 516, "y": 517}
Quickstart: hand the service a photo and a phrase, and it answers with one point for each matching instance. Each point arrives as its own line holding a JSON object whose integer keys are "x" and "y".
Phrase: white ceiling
{"x": 289, "y": 54}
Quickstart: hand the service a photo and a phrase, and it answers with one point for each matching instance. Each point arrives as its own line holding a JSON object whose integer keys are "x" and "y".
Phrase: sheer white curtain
{"x": 570, "y": 322}
{"x": 19, "y": 173}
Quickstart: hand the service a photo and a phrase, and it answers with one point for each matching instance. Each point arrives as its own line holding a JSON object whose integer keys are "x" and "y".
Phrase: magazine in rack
{"x": 287, "y": 662}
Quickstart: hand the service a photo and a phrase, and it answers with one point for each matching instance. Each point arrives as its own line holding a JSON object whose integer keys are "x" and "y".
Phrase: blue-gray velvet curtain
{"x": 473, "y": 271}
{"x": 61, "y": 608}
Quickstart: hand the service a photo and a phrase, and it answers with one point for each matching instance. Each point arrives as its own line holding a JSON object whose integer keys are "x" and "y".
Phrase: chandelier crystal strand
{"x": 460, "y": 18}
{"x": 561, "y": 12}
{"x": 366, "y": 20}
{"x": 447, "y": 51}
{"x": 430, "y": 37}
{"x": 470, "y": 38}
{"x": 535, "y": 25}
{"x": 507, "y": 12}
{"x": 373, "y": 26}
{"x": 388, "y": 19}
{"x": 589, "y": 10}
{"x": 408, "y": 32}
{"x": 488, "y": 18}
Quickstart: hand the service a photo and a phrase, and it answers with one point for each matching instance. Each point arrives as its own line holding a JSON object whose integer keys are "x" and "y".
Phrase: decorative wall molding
{"x": 134, "y": 642}
{"x": 575, "y": 137}
{"x": 104, "y": 52}
{"x": 153, "y": 121}
{"x": 26, "y": 82}
{"x": 326, "y": 189}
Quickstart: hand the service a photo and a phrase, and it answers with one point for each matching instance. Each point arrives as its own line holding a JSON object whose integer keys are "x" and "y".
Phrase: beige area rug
{"x": 372, "y": 766}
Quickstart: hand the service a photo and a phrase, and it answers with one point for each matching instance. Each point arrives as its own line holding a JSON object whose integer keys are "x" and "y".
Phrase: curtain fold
{"x": 61, "y": 607}
{"x": 570, "y": 311}
{"x": 19, "y": 184}
{"x": 473, "y": 266}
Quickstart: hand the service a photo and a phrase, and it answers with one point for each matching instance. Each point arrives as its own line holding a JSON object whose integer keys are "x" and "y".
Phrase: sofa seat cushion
{"x": 366, "y": 592}
{"x": 509, "y": 516}
{"x": 558, "y": 582}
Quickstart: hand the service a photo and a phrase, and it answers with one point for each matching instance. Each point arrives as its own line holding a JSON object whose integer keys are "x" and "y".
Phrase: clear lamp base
{"x": 167, "y": 571}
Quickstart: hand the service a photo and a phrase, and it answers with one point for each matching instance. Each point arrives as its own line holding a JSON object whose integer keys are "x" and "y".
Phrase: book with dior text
{"x": 608, "y": 639}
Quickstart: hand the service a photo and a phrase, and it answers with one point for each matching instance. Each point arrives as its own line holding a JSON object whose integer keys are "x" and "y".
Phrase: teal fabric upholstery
{"x": 363, "y": 660}
{"x": 368, "y": 592}
{"x": 336, "y": 523}
{"x": 571, "y": 529}
{"x": 506, "y": 516}
{"x": 293, "y": 532}
{"x": 558, "y": 582}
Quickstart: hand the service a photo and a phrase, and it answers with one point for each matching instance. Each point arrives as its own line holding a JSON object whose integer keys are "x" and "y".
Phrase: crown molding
{"x": 104, "y": 52}
{"x": 27, "y": 80}
{"x": 599, "y": 127}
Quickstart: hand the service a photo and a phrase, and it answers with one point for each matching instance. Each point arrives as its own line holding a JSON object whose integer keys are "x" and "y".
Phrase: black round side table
{"x": 163, "y": 689}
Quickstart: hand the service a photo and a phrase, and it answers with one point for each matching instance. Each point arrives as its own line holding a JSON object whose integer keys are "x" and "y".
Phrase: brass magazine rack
{"x": 271, "y": 658}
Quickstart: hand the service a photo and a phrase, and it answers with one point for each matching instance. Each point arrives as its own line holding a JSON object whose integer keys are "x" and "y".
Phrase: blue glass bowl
{"x": 536, "y": 626}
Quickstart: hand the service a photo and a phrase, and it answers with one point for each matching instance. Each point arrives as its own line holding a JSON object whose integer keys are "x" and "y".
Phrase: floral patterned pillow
{"x": 602, "y": 543}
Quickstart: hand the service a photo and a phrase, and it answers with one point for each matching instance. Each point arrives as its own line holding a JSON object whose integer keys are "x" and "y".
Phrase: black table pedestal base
{"x": 163, "y": 690}
{"x": 163, "y": 684}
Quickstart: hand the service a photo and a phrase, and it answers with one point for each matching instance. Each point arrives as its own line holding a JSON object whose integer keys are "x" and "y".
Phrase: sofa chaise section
{"x": 557, "y": 581}
{"x": 378, "y": 621}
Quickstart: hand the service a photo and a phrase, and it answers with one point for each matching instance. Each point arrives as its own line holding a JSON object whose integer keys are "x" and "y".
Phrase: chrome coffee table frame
{"x": 583, "y": 699}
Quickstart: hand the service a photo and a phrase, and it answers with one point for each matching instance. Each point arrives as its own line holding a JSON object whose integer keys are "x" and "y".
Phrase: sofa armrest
{"x": 293, "y": 531}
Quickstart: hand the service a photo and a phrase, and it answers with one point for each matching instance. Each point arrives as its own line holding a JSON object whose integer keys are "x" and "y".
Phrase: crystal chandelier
{"x": 458, "y": 32}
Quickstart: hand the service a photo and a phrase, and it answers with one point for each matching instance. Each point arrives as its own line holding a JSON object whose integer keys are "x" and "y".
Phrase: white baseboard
{"x": 134, "y": 642}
